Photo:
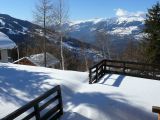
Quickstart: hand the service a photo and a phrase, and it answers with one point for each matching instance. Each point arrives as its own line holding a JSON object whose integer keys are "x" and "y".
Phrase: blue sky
{"x": 78, "y": 9}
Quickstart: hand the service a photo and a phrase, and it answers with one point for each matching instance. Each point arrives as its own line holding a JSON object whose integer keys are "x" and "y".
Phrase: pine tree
{"x": 152, "y": 30}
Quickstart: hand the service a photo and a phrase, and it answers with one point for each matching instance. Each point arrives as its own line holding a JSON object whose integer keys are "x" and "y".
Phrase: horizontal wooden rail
{"x": 150, "y": 71}
{"x": 53, "y": 113}
{"x": 135, "y": 63}
{"x": 156, "y": 110}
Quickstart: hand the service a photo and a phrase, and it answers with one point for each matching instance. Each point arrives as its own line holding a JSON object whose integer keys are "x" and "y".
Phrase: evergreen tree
{"x": 152, "y": 30}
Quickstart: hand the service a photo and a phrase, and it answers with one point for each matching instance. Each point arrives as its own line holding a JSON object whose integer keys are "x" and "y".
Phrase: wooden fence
{"x": 51, "y": 114}
{"x": 150, "y": 71}
{"x": 156, "y": 110}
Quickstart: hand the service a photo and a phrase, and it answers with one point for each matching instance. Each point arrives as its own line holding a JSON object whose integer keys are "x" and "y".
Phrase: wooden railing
{"x": 96, "y": 72}
{"x": 150, "y": 71}
{"x": 52, "y": 114}
{"x": 156, "y": 110}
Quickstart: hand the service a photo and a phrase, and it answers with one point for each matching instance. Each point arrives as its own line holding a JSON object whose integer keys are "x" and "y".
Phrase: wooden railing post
{"x": 90, "y": 76}
{"x": 124, "y": 68}
{"x": 37, "y": 112}
{"x": 60, "y": 100}
{"x": 104, "y": 65}
{"x": 154, "y": 72}
{"x": 101, "y": 69}
{"x": 96, "y": 73}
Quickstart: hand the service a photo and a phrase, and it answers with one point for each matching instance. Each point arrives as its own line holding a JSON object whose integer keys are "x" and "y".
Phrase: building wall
{"x": 56, "y": 66}
{"x": 4, "y": 55}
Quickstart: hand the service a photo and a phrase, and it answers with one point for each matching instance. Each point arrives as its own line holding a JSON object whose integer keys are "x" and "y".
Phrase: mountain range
{"x": 120, "y": 30}
{"x": 121, "y": 26}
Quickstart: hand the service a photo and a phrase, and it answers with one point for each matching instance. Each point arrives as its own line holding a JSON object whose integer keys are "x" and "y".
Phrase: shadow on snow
{"x": 116, "y": 82}
{"x": 112, "y": 106}
{"x": 20, "y": 86}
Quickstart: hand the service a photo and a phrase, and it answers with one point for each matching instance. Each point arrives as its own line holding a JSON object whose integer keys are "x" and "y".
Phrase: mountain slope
{"x": 16, "y": 29}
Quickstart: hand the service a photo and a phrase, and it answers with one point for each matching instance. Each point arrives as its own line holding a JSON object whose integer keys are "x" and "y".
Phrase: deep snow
{"x": 115, "y": 97}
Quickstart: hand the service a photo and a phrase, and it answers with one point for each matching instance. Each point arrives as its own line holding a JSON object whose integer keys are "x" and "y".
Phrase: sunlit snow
{"x": 114, "y": 97}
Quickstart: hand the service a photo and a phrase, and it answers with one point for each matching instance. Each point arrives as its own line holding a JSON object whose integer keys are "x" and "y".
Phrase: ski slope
{"x": 115, "y": 97}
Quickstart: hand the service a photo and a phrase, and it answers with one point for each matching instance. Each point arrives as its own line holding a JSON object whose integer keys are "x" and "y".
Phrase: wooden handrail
{"x": 156, "y": 109}
{"x": 150, "y": 71}
{"x": 58, "y": 109}
{"x": 137, "y": 63}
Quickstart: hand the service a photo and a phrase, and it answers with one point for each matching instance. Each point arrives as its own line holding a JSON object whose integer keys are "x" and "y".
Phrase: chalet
{"x": 5, "y": 45}
{"x": 24, "y": 61}
{"x": 38, "y": 60}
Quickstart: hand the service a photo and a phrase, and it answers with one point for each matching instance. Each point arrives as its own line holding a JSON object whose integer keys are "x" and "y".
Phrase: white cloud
{"x": 121, "y": 12}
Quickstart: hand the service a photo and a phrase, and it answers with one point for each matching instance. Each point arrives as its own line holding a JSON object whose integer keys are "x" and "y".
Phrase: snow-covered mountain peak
{"x": 123, "y": 15}
{"x": 94, "y": 21}
{"x": 122, "y": 27}
{"x": 120, "y": 19}
{"x": 128, "y": 19}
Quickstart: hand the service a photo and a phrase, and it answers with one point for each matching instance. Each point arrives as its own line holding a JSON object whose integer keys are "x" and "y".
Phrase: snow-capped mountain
{"x": 17, "y": 30}
{"x": 119, "y": 27}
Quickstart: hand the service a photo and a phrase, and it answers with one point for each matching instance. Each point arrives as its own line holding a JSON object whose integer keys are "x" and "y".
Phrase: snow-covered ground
{"x": 115, "y": 97}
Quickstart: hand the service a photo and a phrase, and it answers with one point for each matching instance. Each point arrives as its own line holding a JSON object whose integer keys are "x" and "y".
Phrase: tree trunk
{"x": 45, "y": 61}
{"x": 62, "y": 57}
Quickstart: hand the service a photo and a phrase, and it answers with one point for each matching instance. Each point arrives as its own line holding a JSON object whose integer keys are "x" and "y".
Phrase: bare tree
{"x": 103, "y": 43}
{"x": 133, "y": 51}
{"x": 60, "y": 17}
{"x": 84, "y": 54}
{"x": 43, "y": 16}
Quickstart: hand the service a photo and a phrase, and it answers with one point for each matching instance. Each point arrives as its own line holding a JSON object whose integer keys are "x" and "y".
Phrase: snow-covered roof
{"x": 114, "y": 97}
{"x": 20, "y": 61}
{"x": 38, "y": 59}
{"x": 5, "y": 42}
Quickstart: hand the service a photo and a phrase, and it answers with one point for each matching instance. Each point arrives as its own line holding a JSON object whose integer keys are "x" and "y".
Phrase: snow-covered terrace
{"x": 114, "y": 97}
